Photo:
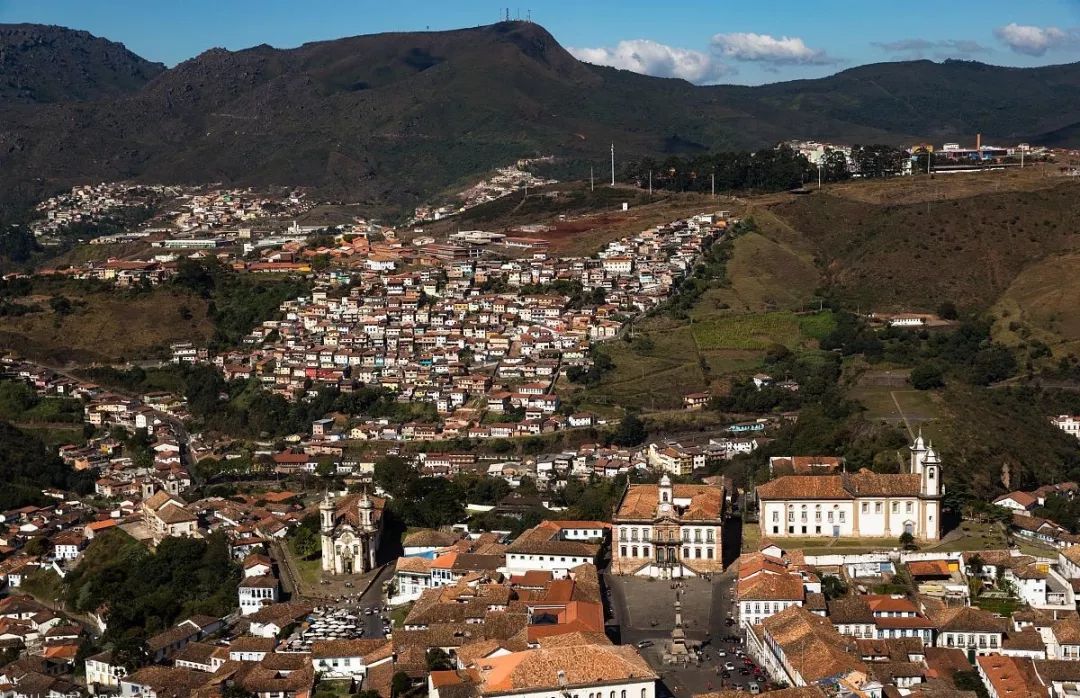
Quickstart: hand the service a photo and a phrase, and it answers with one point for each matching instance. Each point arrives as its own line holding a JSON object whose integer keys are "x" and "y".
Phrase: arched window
{"x": 929, "y": 473}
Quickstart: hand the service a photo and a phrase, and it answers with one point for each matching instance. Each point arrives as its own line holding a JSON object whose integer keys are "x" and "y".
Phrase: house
{"x": 557, "y": 546}
{"x": 271, "y": 619}
{"x": 103, "y": 672}
{"x": 256, "y": 592}
{"x": 350, "y": 659}
{"x": 161, "y": 682}
{"x": 577, "y": 670}
{"x": 696, "y": 401}
{"x": 167, "y": 516}
{"x": 1020, "y": 502}
{"x": 800, "y": 648}
{"x": 1068, "y": 423}
{"x": 970, "y": 629}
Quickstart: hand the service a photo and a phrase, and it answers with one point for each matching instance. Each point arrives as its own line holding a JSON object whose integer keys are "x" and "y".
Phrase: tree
{"x": 926, "y": 376}
{"x": 947, "y": 310}
{"x": 833, "y": 587}
{"x": 907, "y": 541}
{"x": 438, "y": 660}
{"x": 400, "y": 684}
{"x": 395, "y": 475}
{"x": 631, "y": 431}
{"x": 61, "y": 305}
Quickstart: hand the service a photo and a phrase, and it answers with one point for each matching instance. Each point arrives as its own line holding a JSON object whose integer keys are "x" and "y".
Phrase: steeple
{"x": 918, "y": 454}
{"x": 326, "y": 513}
{"x": 664, "y": 492}
{"x": 366, "y": 509}
{"x": 930, "y": 470}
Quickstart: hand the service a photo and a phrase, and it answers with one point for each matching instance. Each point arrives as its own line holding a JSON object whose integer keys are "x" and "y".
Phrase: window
{"x": 709, "y": 551}
{"x": 929, "y": 473}
{"x": 686, "y": 535}
{"x": 817, "y": 516}
{"x": 633, "y": 551}
{"x": 775, "y": 516}
{"x": 877, "y": 507}
{"x": 697, "y": 553}
{"x": 830, "y": 517}
{"x": 697, "y": 535}
{"x": 842, "y": 517}
{"x": 791, "y": 515}
{"x": 633, "y": 534}
{"x": 896, "y": 507}
{"x": 907, "y": 508}
{"x": 775, "y": 530}
{"x": 686, "y": 553}
{"x": 865, "y": 507}
{"x": 709, "y": 536}
{"x": 645, "y": 533}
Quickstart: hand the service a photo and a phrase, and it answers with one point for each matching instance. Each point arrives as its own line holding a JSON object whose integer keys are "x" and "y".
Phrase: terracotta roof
{"x": 811, "y": 644}
{"x": 280, "y": 614}
{"x": 641, "y": 502}
{"x": 841, "y": 487}
{"x": 929, "y": 568}
{"x": 554, "y": 668}
{"x": 1022, "y": 498}
{"x": 772, "y": 587}
{"x": 968, "y": 619}
{"x": 1012, "y": 676}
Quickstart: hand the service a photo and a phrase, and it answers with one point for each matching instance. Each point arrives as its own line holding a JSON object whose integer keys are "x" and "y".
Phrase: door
{"x": 835, "y": 531}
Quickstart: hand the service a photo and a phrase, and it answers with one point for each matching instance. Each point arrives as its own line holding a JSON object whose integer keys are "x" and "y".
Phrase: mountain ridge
{"x": 390, "y": 119}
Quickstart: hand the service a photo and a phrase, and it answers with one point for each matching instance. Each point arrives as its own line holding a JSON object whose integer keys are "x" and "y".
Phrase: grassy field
{"x": 972, "y": 535}
{"x": 905, "y": 407}
{"x": 107, "y": 326}
{"x": 760, "y": 331}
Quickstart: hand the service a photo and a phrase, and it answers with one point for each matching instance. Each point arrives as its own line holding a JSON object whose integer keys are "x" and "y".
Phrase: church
{"x": 351, "y": 528}
{"x": 862, "y": 504}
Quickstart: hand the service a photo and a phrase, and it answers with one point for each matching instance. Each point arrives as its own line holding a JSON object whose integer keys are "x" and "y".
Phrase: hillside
{"x": 388, "y": 120}
{"x": 54, "y": 64}
{"x": 904, "y": 255}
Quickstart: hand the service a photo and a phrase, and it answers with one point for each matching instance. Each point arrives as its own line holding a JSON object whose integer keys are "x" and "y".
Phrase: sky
{"x": 705, "y": 42}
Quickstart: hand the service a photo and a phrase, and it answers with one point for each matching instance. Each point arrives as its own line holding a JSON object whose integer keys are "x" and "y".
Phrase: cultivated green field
{"x": 762, "y": 331}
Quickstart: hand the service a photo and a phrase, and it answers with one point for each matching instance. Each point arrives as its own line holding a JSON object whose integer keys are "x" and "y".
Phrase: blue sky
{"x": 703, "y": 41}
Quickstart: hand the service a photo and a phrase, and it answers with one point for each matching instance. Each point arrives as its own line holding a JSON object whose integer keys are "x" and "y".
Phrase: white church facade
{"x": 351, "y": 528}
{"x": 862, "y": 504}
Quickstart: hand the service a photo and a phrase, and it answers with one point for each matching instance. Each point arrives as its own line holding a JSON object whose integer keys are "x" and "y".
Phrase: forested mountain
{"x": 394, "y": 118}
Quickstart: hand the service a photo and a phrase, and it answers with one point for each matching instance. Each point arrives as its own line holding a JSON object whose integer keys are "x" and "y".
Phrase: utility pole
{"x": 592, "y": 184}
{"x": 712, "y": 185}
{"x": 612, "y": 164}
{"x": 1022, "y": 158}
{"x": 650, "y": 184}
{"x": 819, "y": 174}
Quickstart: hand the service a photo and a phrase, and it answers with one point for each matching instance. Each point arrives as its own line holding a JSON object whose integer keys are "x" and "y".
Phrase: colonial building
{"x": 669, "y": 530}
{"x": 858, "y": 504}
{"x": 351, "y": 530}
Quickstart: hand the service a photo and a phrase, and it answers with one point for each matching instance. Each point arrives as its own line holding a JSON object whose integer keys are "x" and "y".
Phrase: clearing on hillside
{"x": 107, "y": 326}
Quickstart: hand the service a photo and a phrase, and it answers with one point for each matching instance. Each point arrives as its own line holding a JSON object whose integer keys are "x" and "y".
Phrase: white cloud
{"x": 763, "y": 48}
{"x": 1031, "y": 40}
{"x": 653, "y": 58}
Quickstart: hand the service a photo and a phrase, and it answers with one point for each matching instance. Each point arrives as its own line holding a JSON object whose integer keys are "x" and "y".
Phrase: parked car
{"x": 720, "y": 653}
{"x": 644, "y": 643}
{"x": 755, "y": 688}
{"x": 729, "y": 666}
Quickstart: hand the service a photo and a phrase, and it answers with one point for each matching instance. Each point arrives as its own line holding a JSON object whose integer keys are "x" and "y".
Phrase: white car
{"x": 729, "y": 667}
{"x": 721, "y": 653}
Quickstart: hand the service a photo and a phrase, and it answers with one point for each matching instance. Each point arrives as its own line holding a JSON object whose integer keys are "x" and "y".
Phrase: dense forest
{"x": 27, "y": 466}
{"x": 143, "y": 592}
{"x": 237, "y": 302}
